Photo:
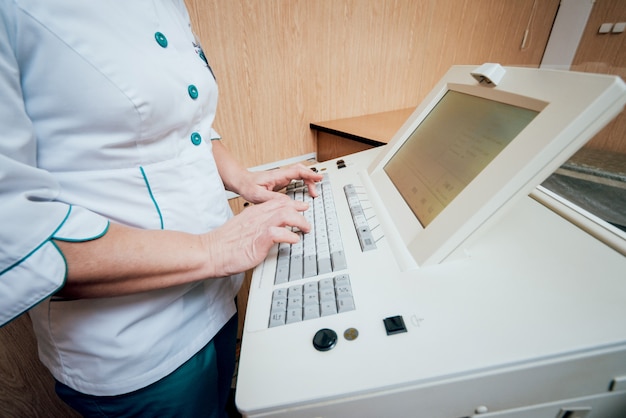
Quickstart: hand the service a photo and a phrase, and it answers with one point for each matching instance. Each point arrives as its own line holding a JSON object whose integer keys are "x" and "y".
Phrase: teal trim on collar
{"x": 156, "y": 205}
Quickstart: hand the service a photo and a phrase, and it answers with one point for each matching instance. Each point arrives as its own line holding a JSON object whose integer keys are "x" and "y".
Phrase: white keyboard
{"x": 318, "y": 252}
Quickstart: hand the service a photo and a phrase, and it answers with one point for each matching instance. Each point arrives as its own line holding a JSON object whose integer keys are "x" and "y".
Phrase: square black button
{"x": 394, "y": 325}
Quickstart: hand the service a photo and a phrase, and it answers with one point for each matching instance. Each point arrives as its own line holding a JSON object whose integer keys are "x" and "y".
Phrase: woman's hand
{"x": 261, "y": 186}
{"x": 245, "y": 240}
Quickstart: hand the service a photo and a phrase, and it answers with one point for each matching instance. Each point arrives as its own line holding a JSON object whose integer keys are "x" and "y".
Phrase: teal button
{"x": 193, "y": 91}
{"x": 196, "y": 139}
{"x": 203, "y": 57}
{"x": 161, "y": 39}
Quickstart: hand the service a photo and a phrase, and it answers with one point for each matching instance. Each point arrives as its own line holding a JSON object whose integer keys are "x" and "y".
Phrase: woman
{"x": 116, "y": 232}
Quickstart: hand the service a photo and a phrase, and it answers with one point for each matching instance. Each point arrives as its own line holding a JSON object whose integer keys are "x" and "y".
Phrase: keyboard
{"x": 321, "y": 250}
{"x": 310, "y": 300}
{"x": 317, "y": 253}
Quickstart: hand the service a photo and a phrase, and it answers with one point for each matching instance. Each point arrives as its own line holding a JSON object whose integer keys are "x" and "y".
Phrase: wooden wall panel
{"x": 605, "y": 54}
{"x": 282, "y": 64}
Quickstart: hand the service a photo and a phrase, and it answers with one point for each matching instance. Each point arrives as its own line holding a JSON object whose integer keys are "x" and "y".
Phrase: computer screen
{"x": 454, "y": 143}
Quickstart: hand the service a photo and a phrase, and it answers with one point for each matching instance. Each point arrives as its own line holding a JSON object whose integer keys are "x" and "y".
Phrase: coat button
{"x": 193, "y": 91}
{"x": 161, "y": 39}
{"x": 196, "y": 139}
{"x": 203, "y": 57}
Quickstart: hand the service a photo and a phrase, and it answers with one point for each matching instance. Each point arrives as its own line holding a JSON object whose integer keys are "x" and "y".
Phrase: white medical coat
{"x": 106, "y": 114}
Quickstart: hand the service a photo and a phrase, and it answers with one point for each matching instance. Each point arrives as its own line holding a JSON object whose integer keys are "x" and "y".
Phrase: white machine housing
{"x": 521, "y": 315}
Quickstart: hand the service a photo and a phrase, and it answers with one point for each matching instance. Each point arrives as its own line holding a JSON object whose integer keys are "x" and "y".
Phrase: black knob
{"x": 324, "y": 339}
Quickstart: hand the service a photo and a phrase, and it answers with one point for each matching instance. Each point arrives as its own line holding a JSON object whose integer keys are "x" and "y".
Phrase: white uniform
{"x": 106, "y": 114}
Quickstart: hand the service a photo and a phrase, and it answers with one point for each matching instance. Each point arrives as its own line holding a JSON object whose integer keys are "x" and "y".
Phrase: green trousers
{"x": 198, "y": 388}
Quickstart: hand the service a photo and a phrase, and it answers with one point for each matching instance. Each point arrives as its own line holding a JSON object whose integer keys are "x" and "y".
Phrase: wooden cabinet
{"x": 336, "y": 138}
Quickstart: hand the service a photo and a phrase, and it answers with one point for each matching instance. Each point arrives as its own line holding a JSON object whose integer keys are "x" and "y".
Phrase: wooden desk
{"x": 339, "y": 137}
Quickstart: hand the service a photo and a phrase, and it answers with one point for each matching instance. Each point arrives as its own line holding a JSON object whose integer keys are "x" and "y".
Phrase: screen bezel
{"x": 569, "y": 114}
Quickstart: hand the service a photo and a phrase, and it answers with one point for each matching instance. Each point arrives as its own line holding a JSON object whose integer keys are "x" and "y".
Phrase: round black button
{"x": 325, "y": 339}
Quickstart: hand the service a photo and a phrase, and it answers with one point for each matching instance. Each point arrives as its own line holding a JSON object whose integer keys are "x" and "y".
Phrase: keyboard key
{"x": 328, "y": 308}
{"x": 310, "y": 266}
{"x": 294, "y": 315}
{"x": 345, "y": 304}
{"x": 295, "y": 290}
{"x": 279, "y": 305}
{"x": 342, "y": 280}
{"x": 282, "y": 264}
{"x": 326, "y": 283}
{"x": 282, "y": 272}
{"x": 327, "y": 295}
{"x": 311, "y": 299}
{"x": 343, "y": 291}
{"x": 324, "y": 265}
{"x": 279, "y": 293}
{"x": 310, "y": 287}
{"x": 277, "y": 318}
{"x": 339, "y": 260}
{"x": 294, "y": 302}
{"x": 295, "y": 267}
{"x": 311, "y": 312}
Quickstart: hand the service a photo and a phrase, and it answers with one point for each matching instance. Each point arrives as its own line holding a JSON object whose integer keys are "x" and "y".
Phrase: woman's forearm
{"x": 129, "y": 260}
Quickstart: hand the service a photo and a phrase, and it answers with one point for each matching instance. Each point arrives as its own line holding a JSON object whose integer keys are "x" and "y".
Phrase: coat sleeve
{"x": 31, "y": 266}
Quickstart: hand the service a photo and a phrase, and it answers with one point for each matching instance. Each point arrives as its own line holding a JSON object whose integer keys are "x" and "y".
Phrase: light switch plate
{"x": 605, "y": 28}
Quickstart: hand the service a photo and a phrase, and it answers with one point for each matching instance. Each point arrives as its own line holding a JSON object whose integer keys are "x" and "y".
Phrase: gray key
{"x": 279, "y": 293}
{"x": 345, "y": 304}
{"x": 282, "y": 264}
{"x": 294, "y": 315}
{"x": 326, "y": 283}
{"x": 328, "y": 308}
{"x": 327, "y": 295}
{"x": 310, "y": 266}
{"x": 282, "y": 272}
{"x": 366, "y": 239}
{"x": 310, "y": 287}
{"x": 279, "y": 304}
{"x": 311, "y": 299}
{"x": 294, "y": 302}
{"x": 342, "y": 280}
{"x": 295, "y": 267}
{"x": 339, "y": 260}
{"x": 311, "y": 312}
{"x": 324, "y": 265}
{"x": 277, "y": 318}
{"x": 343, "y": 291}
